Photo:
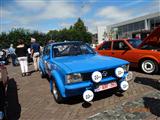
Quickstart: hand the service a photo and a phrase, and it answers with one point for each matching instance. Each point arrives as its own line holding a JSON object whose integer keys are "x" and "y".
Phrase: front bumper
{"x": 79, "y": 88}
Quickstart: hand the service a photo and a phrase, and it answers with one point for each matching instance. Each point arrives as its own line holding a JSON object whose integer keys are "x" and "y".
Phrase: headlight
{"x": 119, "y": 72}
{"x": 72, "y": 78}
{"x": 125, "y": 68}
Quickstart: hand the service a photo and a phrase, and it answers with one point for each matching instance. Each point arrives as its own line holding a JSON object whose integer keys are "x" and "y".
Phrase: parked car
{"x": 145, "y": 55}
{"x": 74, "y": 68}
{"x": 3, "y": 88}
{"x": 4, "y": 57}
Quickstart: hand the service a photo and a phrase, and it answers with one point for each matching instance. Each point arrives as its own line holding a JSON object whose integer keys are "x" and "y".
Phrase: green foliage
{"x": 79, "y": 26}
{"x": 77, "y": 32}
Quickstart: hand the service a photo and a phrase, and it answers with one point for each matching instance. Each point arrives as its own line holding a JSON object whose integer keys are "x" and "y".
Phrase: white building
{"x": 130, "y": 28}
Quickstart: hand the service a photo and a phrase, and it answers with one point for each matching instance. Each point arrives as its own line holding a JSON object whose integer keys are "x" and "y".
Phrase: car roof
{"x": 123, "y": 39}
{"x": 115, "y": 40}
{"x": 66, "y": 42}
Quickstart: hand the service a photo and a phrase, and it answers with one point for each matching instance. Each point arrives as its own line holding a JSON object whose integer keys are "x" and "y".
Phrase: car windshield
{"x": 135, "y": 42}
{"x": 72, "y": 49}
{"x": 150, "y": 47}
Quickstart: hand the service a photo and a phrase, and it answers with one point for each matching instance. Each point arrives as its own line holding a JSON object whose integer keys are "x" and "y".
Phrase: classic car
{"x": 143, "y": 54}
{"x": 74, "y": 68}
{"x": 4, "y": 56}
{"x": 3, "y": 88}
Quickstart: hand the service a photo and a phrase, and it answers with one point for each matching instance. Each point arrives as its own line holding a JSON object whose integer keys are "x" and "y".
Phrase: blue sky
{"x": 45, "y": 15}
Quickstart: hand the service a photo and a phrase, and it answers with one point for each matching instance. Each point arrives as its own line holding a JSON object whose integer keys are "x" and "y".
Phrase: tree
{"x": 79, "y": 26}
{"x": 76, "y": 32}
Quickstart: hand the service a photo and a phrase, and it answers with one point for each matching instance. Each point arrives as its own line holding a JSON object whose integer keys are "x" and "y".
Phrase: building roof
{"x": 149, "y": 16}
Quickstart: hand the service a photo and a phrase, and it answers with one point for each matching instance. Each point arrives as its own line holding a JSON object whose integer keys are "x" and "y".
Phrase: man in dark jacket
{"x": 35, "y": 51}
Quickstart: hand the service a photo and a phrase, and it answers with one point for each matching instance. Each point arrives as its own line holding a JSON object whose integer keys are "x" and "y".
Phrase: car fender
{"x": 149, "y": 57}
{"x": 41, "y": 66}
{"x": 59, "y": 82}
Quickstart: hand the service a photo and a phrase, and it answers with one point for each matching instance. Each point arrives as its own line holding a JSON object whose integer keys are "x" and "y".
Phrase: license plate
{"x": 106, "y": 87}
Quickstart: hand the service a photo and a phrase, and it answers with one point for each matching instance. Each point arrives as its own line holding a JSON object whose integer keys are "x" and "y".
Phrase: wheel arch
{"x": 59, "y": 82}
{"x": 147, "y": 58}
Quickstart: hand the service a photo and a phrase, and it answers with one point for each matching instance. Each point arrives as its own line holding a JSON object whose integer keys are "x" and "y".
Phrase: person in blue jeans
{"x": 35, "y": 52}
{"x": 13, "y": 55}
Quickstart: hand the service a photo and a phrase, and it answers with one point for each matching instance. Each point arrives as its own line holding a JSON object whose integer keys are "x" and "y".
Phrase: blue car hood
{"x": 88, "y": 63}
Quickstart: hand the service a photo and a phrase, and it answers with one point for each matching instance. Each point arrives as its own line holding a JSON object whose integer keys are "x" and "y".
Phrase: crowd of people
{"x": 21, "y": 53}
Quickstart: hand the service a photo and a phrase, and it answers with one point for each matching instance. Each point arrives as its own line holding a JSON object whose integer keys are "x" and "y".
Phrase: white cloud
{"x": 132, "y": 3}
{"x": 31, "y": 4}
{"x": 31, "y": 13}
{"x": 94, "y": 23}
{"x": 65, "y": 25}
{"x": 112, "y": 12}
{"x": 45, "y": 10}
{"x": 106, "y": 16}
{"x": 4, "y": 13}
{"x": 58, "y": 10}
{"x": 85, "y": 9}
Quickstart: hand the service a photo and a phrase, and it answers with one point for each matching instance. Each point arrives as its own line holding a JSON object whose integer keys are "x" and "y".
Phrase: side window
{"x": 120, "y": 45}
{"x": 106, "y": 46}
{"x": 46, "y": 51}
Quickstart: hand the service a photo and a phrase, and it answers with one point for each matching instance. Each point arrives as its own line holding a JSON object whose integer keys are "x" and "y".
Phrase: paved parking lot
{"x": 29, "y": 98}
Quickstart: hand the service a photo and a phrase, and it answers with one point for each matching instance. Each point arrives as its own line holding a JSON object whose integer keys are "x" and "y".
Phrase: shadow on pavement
{"x": 13, "y": 108}
{"x": 97, "y": 96}
{"x": 135, "y": 69}
{"x": 32, "y": 71}
{"x": 148, "y": 81}
{"x": 140, "y": 71}
{"x": 153, "y": 105}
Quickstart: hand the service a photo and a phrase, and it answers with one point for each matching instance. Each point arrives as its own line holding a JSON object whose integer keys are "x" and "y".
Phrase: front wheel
{"x": 42, "y": 74}
{"x": 56, "y": 94}
{"x": 149, "y": 66}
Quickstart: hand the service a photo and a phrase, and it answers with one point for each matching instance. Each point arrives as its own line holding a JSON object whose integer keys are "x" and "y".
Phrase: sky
{"x": 45, "y": 15}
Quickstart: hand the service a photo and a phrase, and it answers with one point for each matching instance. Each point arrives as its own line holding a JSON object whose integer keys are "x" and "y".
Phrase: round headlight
{"x": 88, "y": 95}
{"x": 119, "y": 72}
{"x": 124, "y": 85}
{"x": 96, "y": 76}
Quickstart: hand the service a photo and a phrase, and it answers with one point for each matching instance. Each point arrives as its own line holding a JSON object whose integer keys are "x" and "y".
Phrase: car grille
{"x": 105, "y": 73}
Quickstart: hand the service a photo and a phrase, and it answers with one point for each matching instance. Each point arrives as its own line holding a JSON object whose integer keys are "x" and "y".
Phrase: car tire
{"x": 149, "y": 66}
{"x": 42, "y": 74}
{"x": 56, "y": 94}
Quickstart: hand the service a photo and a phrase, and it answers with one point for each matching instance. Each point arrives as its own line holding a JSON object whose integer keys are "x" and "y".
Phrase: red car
{"x": 145, "y": 55}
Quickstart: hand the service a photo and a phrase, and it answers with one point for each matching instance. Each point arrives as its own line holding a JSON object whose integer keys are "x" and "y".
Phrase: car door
{"x": 105, "y": 49}
{"x": 121, "y": 49}
{"x": 46, "y": 59}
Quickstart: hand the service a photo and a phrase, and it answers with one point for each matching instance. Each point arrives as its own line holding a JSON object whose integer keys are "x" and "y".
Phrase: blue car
{"x": 74, "y": 68}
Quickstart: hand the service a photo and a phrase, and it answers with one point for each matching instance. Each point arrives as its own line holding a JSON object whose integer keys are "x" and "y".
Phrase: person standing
{"x": 35, "y": 51}
{"x": 21, "y": 51}
{"x": 12, "y": 54}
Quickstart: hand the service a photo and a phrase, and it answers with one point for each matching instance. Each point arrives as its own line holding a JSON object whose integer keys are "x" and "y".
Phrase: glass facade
{"x": 129, "y": 30}
{"x": 124, "y": 30}
{"x": 154, "y": 22}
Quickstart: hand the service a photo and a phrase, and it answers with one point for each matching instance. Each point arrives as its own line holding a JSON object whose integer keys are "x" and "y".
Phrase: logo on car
{"x": 104, "y": 73}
